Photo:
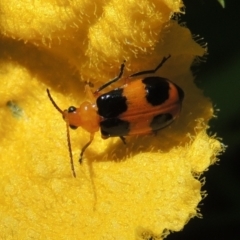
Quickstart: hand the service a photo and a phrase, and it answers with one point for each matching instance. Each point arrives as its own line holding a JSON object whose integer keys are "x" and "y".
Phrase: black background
{"x": 219, "y": 77}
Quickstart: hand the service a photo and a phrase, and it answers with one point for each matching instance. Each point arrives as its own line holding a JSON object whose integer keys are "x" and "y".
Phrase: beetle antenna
{"x": 70, "y": 150}
{"x": 68, "y": 134}
{"x": 53, "y": 102}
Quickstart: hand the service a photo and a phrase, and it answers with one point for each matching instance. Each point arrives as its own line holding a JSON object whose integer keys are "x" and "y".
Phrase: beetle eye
{"x": 73, "y": 127}
{"x": 71, "y": 109}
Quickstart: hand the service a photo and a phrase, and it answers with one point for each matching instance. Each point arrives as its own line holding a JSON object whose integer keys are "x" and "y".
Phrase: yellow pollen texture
{"x": 141, "y": 190}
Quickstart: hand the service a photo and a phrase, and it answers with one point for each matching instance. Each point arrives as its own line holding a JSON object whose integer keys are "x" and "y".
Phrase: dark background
{"x": 219, "y": 77}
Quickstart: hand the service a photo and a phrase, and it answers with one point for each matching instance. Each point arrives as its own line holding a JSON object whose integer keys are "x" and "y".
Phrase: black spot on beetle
{"x": 114, "y": 127}
{"x": 157, "y": 90}
{"x": 161, "y": 121}
{"x": 112, "y": 104}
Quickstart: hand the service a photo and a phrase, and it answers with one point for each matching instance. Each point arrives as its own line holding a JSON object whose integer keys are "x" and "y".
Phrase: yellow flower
{"x": 135, "y": 191}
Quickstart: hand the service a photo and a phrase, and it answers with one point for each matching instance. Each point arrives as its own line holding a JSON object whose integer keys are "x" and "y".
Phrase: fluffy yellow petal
{"x": 135, "y": 191}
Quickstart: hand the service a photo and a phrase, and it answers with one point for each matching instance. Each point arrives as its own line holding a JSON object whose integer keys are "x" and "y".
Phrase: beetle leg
{"x": 89, "y": 93}
{"x": 153, "y": 70}
{"x": 85, "y": 147}
{"x": 90, "y": 84}
{"x": 113, "y": 80}
{"x": 123, "y": 139}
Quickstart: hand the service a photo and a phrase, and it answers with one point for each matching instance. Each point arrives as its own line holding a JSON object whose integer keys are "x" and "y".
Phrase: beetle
{"x": 139, "y": 107}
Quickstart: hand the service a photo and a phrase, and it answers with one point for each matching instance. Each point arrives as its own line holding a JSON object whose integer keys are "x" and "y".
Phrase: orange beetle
{"x": 142, "y": 106}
